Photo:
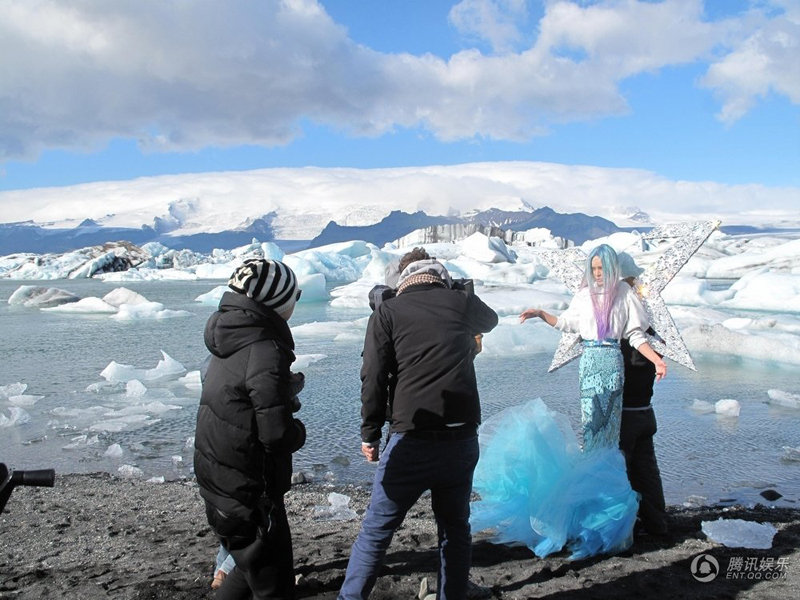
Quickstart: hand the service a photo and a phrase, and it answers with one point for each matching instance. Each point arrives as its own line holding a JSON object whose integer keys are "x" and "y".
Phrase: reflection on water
{"x": 59, "y": 356}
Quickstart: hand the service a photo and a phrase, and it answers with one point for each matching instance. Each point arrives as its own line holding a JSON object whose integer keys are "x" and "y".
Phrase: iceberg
{"x": 736, "y": 533}
{"x": 89, "y": 305}
{"x": 147, "y": 310}
{"x": 166, "y": 368}
{"x": 17, "y": 416}
{"x": 727, "y": 407}
{"x": 24, "y": 400}
{"x": 191, "y": 380}
{"x": 12, "y": 389}
{"x": 114, "y": 451}
{"x": 33, "y": 296}
{"x": 119, "y": 296}
{"x": 791, "y": 454}
{"x": 213, "y": 297}
{"x": 487, "y": 249}
{"x": 784, "y": 399}
{"x": 702, "y": 407}
{"x": 135, "y": 389}
{"x": 332, "y": 329}
{"x": 304, "y": 360}
{"x": 116, "y": 372}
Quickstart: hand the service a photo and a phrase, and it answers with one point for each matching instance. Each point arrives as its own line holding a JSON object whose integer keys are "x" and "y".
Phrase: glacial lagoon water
{"x": 703, "y": 457}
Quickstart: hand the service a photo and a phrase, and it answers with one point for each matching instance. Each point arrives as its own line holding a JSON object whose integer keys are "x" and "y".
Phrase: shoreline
{"x": 99, "y": 536}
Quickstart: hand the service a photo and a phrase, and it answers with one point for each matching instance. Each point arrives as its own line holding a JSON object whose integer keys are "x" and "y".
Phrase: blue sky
{"x": 690, "y": 90}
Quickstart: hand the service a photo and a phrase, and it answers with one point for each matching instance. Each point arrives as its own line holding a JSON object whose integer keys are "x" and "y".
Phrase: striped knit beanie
{"x": 269, "y": 282}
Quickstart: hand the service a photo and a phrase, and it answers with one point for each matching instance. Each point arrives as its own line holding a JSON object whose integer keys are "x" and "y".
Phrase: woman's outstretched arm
{"x": 538, "y": 312}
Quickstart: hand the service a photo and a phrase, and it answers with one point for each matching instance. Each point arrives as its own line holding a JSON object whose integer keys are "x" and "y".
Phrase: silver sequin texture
{"x": 568, "y": 265}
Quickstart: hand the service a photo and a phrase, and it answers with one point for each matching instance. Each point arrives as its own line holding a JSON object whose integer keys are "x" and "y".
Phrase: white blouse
{"x": 628, "y": 317}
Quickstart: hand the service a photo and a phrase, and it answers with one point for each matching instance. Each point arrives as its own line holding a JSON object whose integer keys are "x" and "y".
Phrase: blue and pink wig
{"x": 603, "y": 295}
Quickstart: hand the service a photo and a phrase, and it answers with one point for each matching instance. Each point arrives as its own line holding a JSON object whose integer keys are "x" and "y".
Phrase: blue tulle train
{"x": 538, "y": 489}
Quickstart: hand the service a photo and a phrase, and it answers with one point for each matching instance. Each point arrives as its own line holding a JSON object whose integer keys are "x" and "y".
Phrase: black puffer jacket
{"x": 426, "y": 338}
{"x": 245, "y": 430}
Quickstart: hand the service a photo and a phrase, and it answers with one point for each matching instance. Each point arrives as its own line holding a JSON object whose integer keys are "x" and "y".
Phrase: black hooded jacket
{"x": 245, "y": 430}
{"x": 426, "y": 338}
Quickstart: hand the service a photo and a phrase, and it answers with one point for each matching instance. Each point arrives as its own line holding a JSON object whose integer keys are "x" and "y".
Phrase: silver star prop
{"x": 568, "y": 266}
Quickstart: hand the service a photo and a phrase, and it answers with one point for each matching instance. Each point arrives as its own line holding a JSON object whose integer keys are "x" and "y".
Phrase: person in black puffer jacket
{"x": 246, "y": 431}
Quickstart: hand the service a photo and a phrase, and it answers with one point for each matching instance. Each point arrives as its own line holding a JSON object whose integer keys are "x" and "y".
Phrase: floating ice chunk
{"x": 339, "y": 509}
{"x": 159, "y": 479}
{"x": 216, "y": 271}
{"x": 304, "y": 360}
{"x": 510, "y": 338}
{"x": 736, "y": 533}
{"x": 695, "y": 501}
{"x": 116, "y": 372}
{"x": 727, "y": 407}
{"x": 119, "y": 296}
{"x": 135, "y": 389}
{"x": 313, "y": 287}
{"x": 12, "y": 389}
{"x": 334, "y": 266}
{"x": 34, "y": 296}
{"x": 191, "y": 380}
{"x": 717, "y": 339}
{"x": 176, "y": 458}
{"x": 791, "y": 454}
{"x": 487, "y": 249}
{"x": 106, "y": 386}
{"x": 353, "y": 295}
{"x": 124, "y": 422}
{"x": 130, "y": 472}
{"x": 114, "y": 451}
{"x": 24, "y": 399}
{"x": 702, "y": 407}
{"x": 189, "y": 443}
{"x": 272, "y": 251}
{"x": 331, "y": 329}
{"x": 89, "y": 305}
{"x": 147, "y": 310}
{"x": 82, "y": 441}
{"x": 144, "y": 274}
{"x": 167, "y": 367}
{"x": 376, "y": 268}
{"x": 352, "y": 249}
{"x": 213, "y": 297}
{"x": 17, "y": 416}
{"x": 784, "y": 399}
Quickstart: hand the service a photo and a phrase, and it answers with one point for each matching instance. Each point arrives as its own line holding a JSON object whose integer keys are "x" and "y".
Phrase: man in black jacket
{"x": 245, "y": 429}
{"x": 425, "y": 337}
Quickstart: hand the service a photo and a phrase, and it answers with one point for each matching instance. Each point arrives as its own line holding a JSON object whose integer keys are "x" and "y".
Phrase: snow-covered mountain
{"x": 299, "y": 203}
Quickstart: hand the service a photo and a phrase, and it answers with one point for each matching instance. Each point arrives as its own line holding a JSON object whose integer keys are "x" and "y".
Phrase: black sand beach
{"x": 97, "y": 536}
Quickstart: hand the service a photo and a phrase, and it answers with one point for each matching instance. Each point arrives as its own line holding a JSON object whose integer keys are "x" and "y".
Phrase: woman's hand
{"x": 530, "y": 314}
{"x": 661, "y": 370}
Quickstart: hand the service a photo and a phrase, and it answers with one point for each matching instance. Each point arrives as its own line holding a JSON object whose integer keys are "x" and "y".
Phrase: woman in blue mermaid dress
{"x": 538, "y": 487}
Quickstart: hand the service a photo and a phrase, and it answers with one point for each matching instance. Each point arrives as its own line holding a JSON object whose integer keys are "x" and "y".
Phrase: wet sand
{"x": 98, "y": 536}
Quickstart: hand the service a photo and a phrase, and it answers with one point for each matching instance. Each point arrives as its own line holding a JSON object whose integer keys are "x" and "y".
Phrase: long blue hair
{"x": 602, "y": 296}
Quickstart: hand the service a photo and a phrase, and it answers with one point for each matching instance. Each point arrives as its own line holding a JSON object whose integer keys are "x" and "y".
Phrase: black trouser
{"x": 262, "y": 549}
{"x": 636, "y": 442}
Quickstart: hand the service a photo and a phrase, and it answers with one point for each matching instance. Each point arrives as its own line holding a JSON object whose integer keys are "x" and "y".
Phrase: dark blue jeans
{"x": 407, "y": 469}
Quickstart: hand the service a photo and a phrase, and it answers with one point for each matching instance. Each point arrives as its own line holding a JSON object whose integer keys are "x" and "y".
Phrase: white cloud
{"x": 186, "y": 75}
{"x": 766, "y": 61}
{"x": 495, "y": 21}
